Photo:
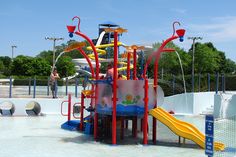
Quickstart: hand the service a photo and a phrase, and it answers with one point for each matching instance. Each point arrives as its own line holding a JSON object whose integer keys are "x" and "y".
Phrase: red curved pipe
{"x": 155, "y": 53}
{"x": 94, "y": 51}
{"x": 76, "y": 17}
{"x": 88, "y": 60}
{"x": 96, "y": 77}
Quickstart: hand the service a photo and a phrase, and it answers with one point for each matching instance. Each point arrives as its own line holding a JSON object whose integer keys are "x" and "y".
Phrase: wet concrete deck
{"x": 43, "y": 137}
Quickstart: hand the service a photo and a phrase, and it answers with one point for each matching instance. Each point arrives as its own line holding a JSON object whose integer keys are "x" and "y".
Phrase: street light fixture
{"x": 193, "y": 39}
{"x": 54, "y": 48}
{"x": 12, "y": 51}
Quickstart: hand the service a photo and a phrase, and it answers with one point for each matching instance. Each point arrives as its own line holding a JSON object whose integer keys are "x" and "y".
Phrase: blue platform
{"x": 71, "y": 125}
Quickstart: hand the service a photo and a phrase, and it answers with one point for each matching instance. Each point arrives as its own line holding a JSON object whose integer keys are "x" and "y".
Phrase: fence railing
{"x": 171, "y": 84}
{"x": 39, "y": 88}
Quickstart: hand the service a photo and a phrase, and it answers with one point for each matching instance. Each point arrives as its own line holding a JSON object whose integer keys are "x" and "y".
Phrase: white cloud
{"x": 218, "y": 29}
{"x": 178, "y": 10}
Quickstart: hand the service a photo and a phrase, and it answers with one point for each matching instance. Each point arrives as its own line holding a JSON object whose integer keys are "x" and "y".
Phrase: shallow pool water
{"x": 43, "y": 137}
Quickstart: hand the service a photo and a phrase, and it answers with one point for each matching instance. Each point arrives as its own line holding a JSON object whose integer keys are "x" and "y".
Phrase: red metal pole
{"x": 154, "y": 122}
{"x": 128, "y": 66}
{"x": 135, "y": 64}
{"x": 114, "y": 88}
{"x": 155, "y": 85}
{"x": 97, "y": 77}
{"x": 82, "y": 112}
{"x": 145, "y": 116}
{"x": 157, "y": 56}
{"x": 92, "y": 70}
{"x": 128, "y": 77}
{"x": 69, "y": 107}
{"x": 135, "y": 120}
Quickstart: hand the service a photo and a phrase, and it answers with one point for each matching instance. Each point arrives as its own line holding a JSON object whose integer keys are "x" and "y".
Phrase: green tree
{"x": 21, "y": 66}
{"x": 169, "y": 62}
{"x": 221, "y": 61}
{"x": 47, "y": 55}
{"x": 230, "y": 66}
{"x": 40, "y": 67}
{"x": 206, "y": 58}
{"x": 65, "y": 66}
{"x": 7, "y": 64}
{"x": 210, "y": 60}
{"x": 2, "y": 67}
{"x": 29, "y": 66}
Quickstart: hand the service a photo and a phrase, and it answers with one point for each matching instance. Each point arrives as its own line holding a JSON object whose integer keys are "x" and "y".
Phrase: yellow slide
{"x": 183, "y": 129}
{"x": 100, "y": 51}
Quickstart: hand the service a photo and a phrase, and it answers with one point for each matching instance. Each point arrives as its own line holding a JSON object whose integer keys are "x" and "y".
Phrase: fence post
{"x": 209, "y": 82}
{"x": 29, "y": 89}
{"x": 223, "y": 83}
{"x": 66, "y": 86}
{"x": 10, "y": 87}
{"x": 193, "y": 83}
{"x": 76, "y": 87}
{"x": 34, "y": 92}
{"x": 199, "y": 82}
{"x": 48, "y": 86}
{"x": 217, "y": 82}
{"x": 56, "y": 88}
{"x": 173, "y": 84}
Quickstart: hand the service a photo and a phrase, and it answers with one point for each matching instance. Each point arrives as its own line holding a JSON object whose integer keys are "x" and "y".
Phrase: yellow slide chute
{"x": 183, "y": 129}
{"x": 99, "y": 49}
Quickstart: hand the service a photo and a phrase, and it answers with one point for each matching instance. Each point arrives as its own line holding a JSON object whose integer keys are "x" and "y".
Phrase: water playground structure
{"x": 115, "y": 101}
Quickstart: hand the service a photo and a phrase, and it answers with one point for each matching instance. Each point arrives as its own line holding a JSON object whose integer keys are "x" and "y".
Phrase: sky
{"x": 26, "y": 23}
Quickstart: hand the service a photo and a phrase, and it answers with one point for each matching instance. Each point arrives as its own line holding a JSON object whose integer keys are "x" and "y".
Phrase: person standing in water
{"x": 53, "y": 78}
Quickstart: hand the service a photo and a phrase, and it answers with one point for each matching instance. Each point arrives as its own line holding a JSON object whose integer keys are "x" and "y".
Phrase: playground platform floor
{"x": 43, "y": 137}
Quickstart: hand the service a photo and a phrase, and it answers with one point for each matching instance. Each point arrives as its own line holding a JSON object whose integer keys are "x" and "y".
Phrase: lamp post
{"x": 54, "y": 48}
{"x": 12, "y": 51}
{"x": 193, "y": 39}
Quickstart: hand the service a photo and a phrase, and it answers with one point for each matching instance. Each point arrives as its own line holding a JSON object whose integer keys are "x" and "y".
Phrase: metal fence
{"x": 38, "y": 88}
{"x": 225, "y": 132}
{"x": 173, "y": 84}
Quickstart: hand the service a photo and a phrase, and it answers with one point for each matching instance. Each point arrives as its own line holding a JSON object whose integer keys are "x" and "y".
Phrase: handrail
{"x": 62, "y": 108}
{"x": 69, "y": 107}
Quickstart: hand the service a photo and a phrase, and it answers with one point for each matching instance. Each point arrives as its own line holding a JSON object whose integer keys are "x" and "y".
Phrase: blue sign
{"x": 209, "y": 128}
{"x": 209, "y": 131}
{"x": 209, "y": 146}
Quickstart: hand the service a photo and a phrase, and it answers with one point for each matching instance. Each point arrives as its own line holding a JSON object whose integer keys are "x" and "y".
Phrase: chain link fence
{"x": 225, "y": 132}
